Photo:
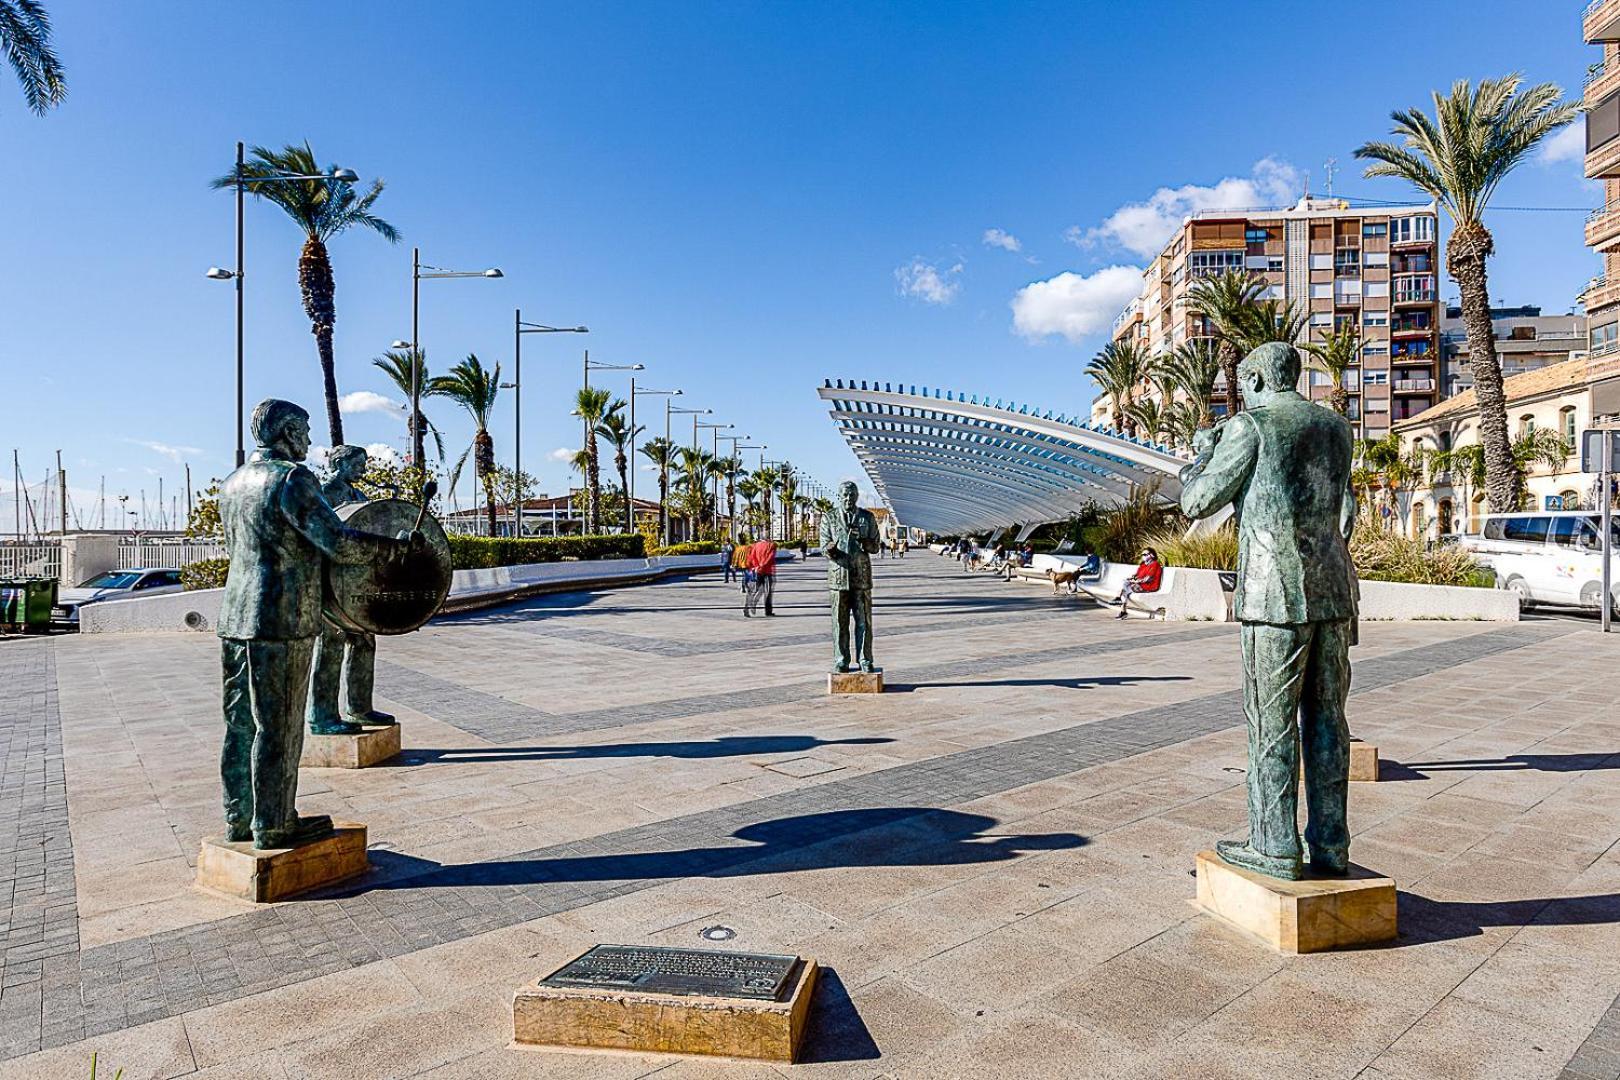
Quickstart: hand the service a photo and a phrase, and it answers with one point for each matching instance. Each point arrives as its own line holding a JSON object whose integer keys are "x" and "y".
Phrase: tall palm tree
{"x": 1336, "y": 354}
{"x": 1478, "y": 135}
{"x": 768, "y": 480}
{"x": 1146, "y": 415}
{"x": 401, "y": 366}
{"x": 619, "y": 434}
{"x": 1227, "y": 300}
{"x": 474, "y": 387}
{"x": 788, "y": 485}
{"x": 693, "y": 464}
{"x": 1538, "y": 446}
{"x": 731, "y": 468}
{"x": 25, "y": 38}
{"x": 323, "y": 208}
{"x": 1119, "y": 369}
{"x": 749, "y": 489}
{"x": 1190, "y": 370}
{"x": 661, "y": 452}
{"x": 1268, "y": 321}
{"x": 592, "y": 404}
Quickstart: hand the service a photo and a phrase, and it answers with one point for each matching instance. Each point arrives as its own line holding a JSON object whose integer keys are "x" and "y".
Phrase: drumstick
{"x": 430, "y": 489}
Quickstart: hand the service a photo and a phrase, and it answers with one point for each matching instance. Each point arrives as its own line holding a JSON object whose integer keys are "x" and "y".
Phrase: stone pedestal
{"x": 1313, "y": 915}
{"x": 371, "y": 746}
{"x": 1363, "y": 760}
{"x": 855, "y": 682}
{"x": 578, "y": 1018}
{"x": 265, "y": 876}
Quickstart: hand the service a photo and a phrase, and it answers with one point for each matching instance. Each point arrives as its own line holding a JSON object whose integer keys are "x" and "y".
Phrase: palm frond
{"x": 25, "y": 38}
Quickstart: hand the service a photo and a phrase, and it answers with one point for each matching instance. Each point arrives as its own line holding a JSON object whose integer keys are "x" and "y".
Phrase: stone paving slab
{"x": 995, "y": 867}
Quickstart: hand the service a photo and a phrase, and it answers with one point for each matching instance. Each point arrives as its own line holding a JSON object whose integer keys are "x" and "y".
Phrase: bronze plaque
{"x": 397, "y": 594}
{"x": 689, "y": 972}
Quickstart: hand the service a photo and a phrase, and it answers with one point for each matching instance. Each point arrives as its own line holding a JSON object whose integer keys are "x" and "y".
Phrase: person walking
{"x": 728, "y": 551}
{"x": 762, "y": 587}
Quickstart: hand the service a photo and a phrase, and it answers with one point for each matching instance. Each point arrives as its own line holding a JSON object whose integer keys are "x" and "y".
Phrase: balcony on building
{"x": 1409, "y": 289}
{"x": 1600, "y": 293}
{"x": 1603, "y": 229}
{"x": 1601, "y": 22}
{"x": 1412, "y": 386}
{"x": 1603, "y": 137}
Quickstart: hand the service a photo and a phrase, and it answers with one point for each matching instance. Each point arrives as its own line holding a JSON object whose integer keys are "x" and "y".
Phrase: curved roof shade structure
{"x": 947, "y": 463}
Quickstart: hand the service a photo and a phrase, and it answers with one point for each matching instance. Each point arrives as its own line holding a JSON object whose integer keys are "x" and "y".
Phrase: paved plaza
{"x": 992, "y": 859}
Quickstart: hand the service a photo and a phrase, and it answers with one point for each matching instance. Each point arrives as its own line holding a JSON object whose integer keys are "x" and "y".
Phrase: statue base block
{"x": 855, "y": 682}
{"x": 372, "y": 746}
{"x": 266, "y": 875}
{"x": 1314, "y": 915}
{"x": 612, "y": 1019}
{"x": 1363, "y": 760}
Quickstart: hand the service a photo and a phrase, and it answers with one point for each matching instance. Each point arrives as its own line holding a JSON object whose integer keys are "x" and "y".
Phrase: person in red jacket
{"x": 762, "y": 577}
{"x": 1146, "y": 579}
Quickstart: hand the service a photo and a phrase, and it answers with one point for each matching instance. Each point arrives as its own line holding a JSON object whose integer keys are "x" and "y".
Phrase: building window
{"x": 1408, "y": 230}
{"x": 1375, "y": 318}
{"x": 1252, "y": 235}
{"x": 1566, "y": 417}
{"x": 1605, "y": 338}
{"x": 1374, "y": 228}
{"x": 1347, "y": 262}
{"x": 1375, "y": 349}
{"x": 1527, "y": 425}
{"x": 1274, "y": 264}
{"x": 1375, "y": 378}
{"x": 1210, "y": 263}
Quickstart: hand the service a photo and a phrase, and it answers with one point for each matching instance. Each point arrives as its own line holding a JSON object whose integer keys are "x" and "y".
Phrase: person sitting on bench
{"x": 1146, "y": 580}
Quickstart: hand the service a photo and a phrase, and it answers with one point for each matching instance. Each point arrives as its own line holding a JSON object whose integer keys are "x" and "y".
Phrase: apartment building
{"x": 1374, "y": 269}
{"x": 1526, "y": 340}
{"x": 1600, "y": 25}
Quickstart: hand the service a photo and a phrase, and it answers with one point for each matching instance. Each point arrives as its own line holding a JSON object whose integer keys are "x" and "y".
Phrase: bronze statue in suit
{"x": 849, "y": 537}
{"x": 345, "y": 661}
{"x": 278, "y": 532}
{"x": 1284, "y": 466}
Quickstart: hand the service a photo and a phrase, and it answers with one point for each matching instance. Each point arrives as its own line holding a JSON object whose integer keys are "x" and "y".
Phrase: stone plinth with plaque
{"x": 709, "y": 1003}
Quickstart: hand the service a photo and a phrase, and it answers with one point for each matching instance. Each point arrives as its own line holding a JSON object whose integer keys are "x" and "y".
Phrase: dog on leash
{"x": 1064, "y": 579}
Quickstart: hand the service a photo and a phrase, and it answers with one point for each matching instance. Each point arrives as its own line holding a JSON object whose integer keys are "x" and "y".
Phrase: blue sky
{"x": 747, "y": 198}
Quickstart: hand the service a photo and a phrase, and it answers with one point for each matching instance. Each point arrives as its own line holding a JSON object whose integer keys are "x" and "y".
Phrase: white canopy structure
{"x": 950, "y": 463}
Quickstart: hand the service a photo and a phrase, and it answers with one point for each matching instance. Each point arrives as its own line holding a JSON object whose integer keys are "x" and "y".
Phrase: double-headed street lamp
{"x": 421, "y": 271}
{"x": 670, "y": 410}
{"x": 519, "y": 328}
{"x": 738, "y": 443}
{"x": 717, "y": 429}
{"x": 239, "y": 180}
{"x": 635, "y": 392}
{"x": 592, "y": 365}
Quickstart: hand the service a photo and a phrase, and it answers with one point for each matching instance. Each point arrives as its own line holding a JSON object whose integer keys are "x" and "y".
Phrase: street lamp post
{"x": 590, "y": 366}
{"x": 670, "y": 410}
{"x": 737, "y": 446}
{"x": 239, "y": 181}
{"x": 519, "y": 328}
{"x": 419, "y": 272}
{"x": 716, "y": 429}
{"x": 635, "y": 392}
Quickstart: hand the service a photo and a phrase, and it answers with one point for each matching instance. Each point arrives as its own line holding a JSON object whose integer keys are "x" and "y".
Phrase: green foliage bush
{"x": 1216, "y": 550}
{"x": 483, "y": 552}
{"x": 204, "y": 574}
{"x": 696, "y": 547}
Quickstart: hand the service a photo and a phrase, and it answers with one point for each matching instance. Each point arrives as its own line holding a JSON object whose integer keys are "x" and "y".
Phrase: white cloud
{"x": 1074, "y": 305}
{"x": 1566, "y": 144}
{"x": 318, "y": 457}
{"x": 176, "y": 454}
{"x": 364, "y": 401}
{"x": 562, "y": 453}
{"x": 925, "y": 281}
{"x": 380, "y": 453}
{"x": 1002, "y": 239}
{"x": 1145, "y": 227}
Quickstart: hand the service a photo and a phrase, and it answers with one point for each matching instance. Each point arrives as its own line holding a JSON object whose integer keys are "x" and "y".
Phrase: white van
{"x": 1552, "y": 557}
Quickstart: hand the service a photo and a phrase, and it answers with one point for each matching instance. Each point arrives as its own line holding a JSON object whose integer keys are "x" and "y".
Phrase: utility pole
{"x": 16, "y": 495}
{"x": 101, "y": 504}
{"x": 188, "y": 493}
{"x": 61, "y": 489}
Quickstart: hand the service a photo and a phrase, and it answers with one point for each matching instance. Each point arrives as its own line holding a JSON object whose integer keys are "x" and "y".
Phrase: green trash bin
{"x": 26, "y": 603}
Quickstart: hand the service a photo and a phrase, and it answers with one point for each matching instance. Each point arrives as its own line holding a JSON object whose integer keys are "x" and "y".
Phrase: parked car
{"x": 1553, "y": 557}
{"x": 113, "y": 585}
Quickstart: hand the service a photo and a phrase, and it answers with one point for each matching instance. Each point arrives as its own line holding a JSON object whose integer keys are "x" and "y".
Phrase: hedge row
{"x": 695, "y": 547}
{"x": 483, "y": 552}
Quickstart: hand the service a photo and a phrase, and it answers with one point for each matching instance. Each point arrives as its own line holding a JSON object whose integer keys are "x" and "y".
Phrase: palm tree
{"x": 1119, "y": 369}
{"x": 731, "y": 469}
{"x": 1478, "y": 135}
{"x": 1538, "y": 446}
{"x": 473, "y": 387}
{"x": 323, "y": 208}
{"x": 617, "y": 431}
{"x": 592, "y": 404}
{"x": 1146, "y": 416}
{"x": 788, "y": 485}
{"x": 1190, "y": 371}
{"x": 1337, "y": 353}
{"x": 1227, "y": 300}
{"x": 1268, "y": 321}
{"x": 768, "y": 480}
{"x": 400, "y": 365}
{"x": 1398, "y": 472}
{"x": 749, "y": 489}
{"x": 25, "y": 38}
{"x": 661, "y": 452}
{"x": 693, "y": 463}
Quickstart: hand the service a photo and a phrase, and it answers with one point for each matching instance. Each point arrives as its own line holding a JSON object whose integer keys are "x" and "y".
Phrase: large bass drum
{"x": 396, "y": 593}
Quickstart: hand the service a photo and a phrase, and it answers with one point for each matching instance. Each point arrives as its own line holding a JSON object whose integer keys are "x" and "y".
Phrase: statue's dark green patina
{"x": 340, "y": 687}
{"x": 849, "y": 538}
{"x": 278, "y": 531}
{"x": 1284, "y": 467}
